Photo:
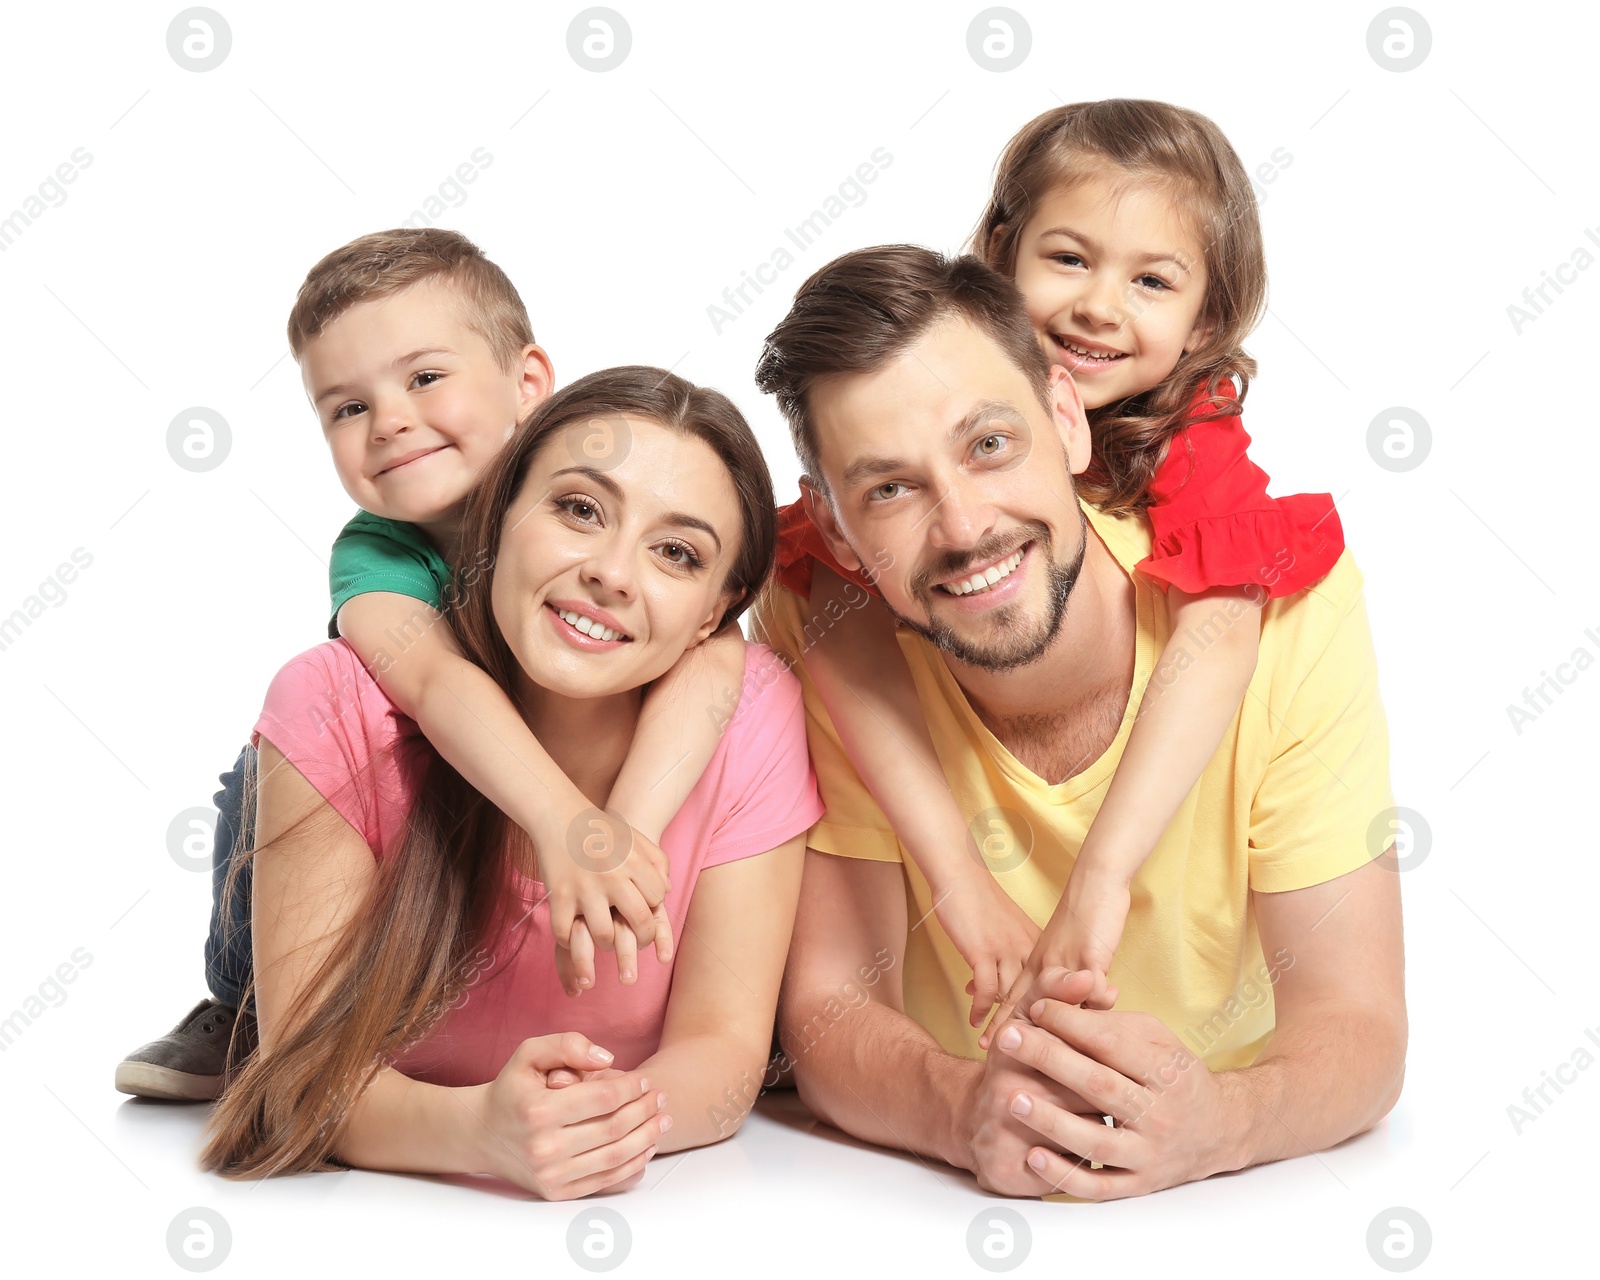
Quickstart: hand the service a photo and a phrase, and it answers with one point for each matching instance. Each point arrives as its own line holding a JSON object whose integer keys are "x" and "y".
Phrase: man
{"x": 1262, "y": 1011}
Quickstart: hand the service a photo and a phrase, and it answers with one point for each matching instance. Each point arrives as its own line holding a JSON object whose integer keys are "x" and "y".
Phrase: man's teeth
{"x": 588, "y": 626}
{"x": 1092, "y": 355}
{"x": 983, "y": 581}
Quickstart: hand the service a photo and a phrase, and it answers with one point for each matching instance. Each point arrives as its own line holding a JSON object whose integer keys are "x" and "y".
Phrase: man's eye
{"x": 991, "y": 445}
{"x": 886, "y": 490}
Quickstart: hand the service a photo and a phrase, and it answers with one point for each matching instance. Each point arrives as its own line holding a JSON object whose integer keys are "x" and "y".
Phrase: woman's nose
{"x": 610, "y": 569}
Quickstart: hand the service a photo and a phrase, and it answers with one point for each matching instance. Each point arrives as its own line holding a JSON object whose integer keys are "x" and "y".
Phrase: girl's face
{"x": 606, "y": 574}
{"x": 1114, "y": 281}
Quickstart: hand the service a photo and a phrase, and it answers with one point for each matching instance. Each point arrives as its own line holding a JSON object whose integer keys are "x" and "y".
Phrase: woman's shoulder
{"x": 770, "y": 694}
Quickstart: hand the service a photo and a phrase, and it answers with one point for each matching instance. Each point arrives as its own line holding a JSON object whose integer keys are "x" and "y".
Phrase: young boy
{"x": 418, "y": 357}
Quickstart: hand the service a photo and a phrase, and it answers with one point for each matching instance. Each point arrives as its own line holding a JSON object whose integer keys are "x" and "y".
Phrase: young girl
{"x": 1130, "y": 229}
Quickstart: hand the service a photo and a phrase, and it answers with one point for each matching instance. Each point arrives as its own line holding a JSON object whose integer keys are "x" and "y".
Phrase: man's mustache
{"x": 995, "y": 547}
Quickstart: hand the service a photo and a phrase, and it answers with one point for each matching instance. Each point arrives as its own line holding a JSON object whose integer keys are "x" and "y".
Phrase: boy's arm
{"x": 471, "y": 722}
{"x": 680, "y": 725}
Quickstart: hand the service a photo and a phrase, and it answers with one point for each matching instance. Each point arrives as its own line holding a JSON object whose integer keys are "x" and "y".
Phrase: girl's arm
{"x": 471, "y": 723}
{"x": 718, "y": 1034}
{"x": 680, "y": 725}
{"x": 1193, "y": 695}
{"x": 313, "y": 873}
{"x": 862, "y": 677}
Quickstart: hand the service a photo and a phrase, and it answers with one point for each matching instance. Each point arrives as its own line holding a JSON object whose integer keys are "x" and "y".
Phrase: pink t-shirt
{"x": 330, "y": 719}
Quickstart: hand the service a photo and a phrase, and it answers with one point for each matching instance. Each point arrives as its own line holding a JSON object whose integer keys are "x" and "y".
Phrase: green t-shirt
{"x": 375, "y": 554}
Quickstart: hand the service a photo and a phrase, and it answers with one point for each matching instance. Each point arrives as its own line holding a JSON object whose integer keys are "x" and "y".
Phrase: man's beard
{"x": 1014, "y": 647}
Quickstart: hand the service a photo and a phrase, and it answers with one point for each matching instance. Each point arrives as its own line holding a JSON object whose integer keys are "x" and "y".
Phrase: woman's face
{"x": 612, "y": 561}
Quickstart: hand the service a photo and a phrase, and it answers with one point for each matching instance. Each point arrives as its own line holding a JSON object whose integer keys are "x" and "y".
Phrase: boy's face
{"x": 412, "y": 402}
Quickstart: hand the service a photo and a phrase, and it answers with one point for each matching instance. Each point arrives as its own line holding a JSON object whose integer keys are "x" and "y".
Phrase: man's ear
{"x": 821, "y": 512}
{"x": 534, "y": 381}
{"x": 1071, "y": 419}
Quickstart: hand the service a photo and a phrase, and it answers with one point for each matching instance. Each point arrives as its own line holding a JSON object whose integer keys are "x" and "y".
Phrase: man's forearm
{"x": 1333, "y": 1073}
{"x": 874, "y": 1073}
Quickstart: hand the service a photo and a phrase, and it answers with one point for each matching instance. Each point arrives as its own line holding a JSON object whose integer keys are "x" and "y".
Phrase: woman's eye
{"x": 579, "y": 509}
{"x": 681, "y": 554}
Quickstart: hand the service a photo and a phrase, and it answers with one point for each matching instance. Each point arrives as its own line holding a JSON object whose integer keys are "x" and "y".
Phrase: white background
{"x": 1418, "y": 206}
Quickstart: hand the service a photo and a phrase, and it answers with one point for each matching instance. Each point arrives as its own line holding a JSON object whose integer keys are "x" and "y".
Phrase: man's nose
{"x": 961, "y": 518}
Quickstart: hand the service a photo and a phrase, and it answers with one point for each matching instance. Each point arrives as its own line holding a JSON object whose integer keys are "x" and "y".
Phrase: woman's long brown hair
{"x": 1184, "y": 153}
{"x": 434, "y": 912}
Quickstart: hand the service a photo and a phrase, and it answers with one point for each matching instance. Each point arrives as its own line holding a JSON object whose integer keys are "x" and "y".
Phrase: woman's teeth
{"x": 983, "y": 581}
{"x": 588, "y": 626}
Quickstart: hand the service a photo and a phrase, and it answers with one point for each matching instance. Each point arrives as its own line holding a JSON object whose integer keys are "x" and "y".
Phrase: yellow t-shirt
{"x": 1286, "y": 802}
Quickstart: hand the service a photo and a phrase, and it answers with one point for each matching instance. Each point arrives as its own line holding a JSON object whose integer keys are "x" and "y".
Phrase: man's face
{"x": 953, "y": 483}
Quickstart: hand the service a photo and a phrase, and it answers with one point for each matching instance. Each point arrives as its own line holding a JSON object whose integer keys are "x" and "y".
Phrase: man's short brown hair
{"x": 863, "y": 309}
{"x": 384, "y": 263}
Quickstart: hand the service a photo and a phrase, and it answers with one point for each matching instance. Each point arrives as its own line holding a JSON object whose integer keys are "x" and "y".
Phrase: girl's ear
{"x": 995, "y": 237}
{"x": 1204, "y": 330}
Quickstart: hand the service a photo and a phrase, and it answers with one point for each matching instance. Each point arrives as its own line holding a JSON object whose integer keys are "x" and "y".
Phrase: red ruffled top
{"x": 1215, "y": 526}
{"x": 1213, "y": 523}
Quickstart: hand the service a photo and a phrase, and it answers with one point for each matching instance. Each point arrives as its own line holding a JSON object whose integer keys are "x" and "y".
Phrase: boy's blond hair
{"x": 384, "y": 263}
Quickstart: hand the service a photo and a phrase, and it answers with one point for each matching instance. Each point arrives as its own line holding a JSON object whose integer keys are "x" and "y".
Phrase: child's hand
{"x": 1082, "y": 934}
{"x": 992, "y": 933}
{"x": 617, "y": 908}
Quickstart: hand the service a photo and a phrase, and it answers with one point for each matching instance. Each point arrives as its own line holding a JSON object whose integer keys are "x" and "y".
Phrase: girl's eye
{"x": 683, "y": 555}
{"x": 1153, "y": 282}
{"x": 1068, "y": 259}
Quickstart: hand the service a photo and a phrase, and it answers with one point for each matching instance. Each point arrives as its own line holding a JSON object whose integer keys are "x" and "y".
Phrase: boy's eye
{"x": 349, "y": 410}
{"x": 430, "y": 375}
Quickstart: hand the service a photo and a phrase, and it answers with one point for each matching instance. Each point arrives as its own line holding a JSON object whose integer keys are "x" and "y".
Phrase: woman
{"x": 410, "y": 1016}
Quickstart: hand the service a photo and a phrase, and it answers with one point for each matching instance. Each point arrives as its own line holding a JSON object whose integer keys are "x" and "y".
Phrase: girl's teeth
{"x": 983, "y": 581}
{"x": 588, "y": 626}
{"x": 1092, "y": 355}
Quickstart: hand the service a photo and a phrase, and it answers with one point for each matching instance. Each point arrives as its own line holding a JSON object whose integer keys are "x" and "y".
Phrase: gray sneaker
{"x": 187, "y": 1064}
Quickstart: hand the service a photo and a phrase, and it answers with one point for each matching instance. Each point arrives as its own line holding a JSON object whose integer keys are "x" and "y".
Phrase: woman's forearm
{"x": 406, "y": 1126}
{"x": 710, "y": 1082}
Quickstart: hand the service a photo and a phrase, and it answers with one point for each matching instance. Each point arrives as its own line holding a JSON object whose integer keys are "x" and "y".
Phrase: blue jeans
{"x": 228, "y": 960}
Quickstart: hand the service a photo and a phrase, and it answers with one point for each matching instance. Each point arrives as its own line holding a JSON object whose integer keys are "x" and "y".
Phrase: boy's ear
{"x": 821, "y": 512}
{"x": 535, "y": 380}
{"x": 1071, "y": 419}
